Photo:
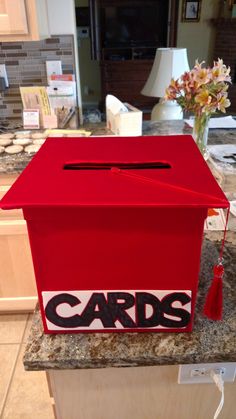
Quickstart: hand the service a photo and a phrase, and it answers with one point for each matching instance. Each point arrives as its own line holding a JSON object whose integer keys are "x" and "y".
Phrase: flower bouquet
{"x": 202, "y": 91}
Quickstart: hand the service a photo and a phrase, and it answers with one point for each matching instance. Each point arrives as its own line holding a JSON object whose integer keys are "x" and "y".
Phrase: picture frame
{"x": 191, "y": 10}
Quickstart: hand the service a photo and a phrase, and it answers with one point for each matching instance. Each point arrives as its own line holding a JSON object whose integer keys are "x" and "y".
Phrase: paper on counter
{"x": 61, "y": 97}
{"x": 215, "y": 220}
{"x": 225, "y": 153}
{"x": 115, "y": 105}
{"x": 62, "y": 84}
{"x": 35, "y": 97}
{"x": 222, "y": 122}
{"x": 62, "y": 77}
{"x": 233, "y": 207}
{"x": 67, "y": 133}
{"x": 31, "y": 119}
{"x": 53, "y": 67}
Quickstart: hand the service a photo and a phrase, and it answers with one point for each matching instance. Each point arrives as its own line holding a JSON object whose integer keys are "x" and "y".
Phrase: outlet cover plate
{"x": 3, "y": 73}
{"x": 53, "y": 67}
{"x": 200, "y": 373}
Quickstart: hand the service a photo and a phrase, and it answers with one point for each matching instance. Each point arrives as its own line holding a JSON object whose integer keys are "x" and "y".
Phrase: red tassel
{"x": 213, "y": 307}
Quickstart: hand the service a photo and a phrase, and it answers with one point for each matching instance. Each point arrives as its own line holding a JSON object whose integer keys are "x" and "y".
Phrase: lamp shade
{"x": 169, "y": 63}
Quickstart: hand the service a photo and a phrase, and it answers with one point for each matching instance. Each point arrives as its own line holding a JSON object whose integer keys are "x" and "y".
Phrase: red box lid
{"x": 154, "y": 171}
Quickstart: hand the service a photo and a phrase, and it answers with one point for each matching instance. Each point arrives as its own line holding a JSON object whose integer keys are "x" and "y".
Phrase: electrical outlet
{"x": 201, "y": 373}
{"x": 3, "y": 73}
{"x": 53, "y": 67}
{"x": 86, "y": 90}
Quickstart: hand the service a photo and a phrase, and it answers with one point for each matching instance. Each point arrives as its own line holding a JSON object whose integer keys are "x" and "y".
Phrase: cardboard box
{"x": 125, "y": 123}
{"x": 115, "y": 227}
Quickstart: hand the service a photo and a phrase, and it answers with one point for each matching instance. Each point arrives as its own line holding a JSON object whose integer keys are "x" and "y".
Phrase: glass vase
{"x": 200, "y": 133}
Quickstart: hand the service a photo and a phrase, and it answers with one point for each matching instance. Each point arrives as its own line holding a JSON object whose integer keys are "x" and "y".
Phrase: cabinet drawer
{"x": 16, "y": 268}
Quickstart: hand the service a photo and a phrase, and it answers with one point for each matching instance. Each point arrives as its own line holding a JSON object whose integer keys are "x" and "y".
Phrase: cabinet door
{"x": 13, "y": 17}
{"x": 17, "y": 283}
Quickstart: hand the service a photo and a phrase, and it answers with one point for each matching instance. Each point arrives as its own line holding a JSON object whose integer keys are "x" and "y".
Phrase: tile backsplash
{"x": 26, "y": 66}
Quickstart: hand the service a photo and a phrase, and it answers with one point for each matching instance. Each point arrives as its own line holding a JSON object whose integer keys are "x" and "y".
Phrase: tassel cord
{"x": 154, "y": 182}
{"x": 224, "y": 236}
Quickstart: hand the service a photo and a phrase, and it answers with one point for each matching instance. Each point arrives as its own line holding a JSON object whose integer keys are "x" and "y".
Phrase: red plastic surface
{"x": 116, "y": 249}
{"x": 45, "y": 182}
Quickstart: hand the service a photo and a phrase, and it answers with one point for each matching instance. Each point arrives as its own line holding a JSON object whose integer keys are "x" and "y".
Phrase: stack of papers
{"x": 62, "y": 97}
{"x": 224, "y": 153}
{"x": 226, "y": 122}
{"x": 215, "y": 220}
{"x": 56, "y": 103}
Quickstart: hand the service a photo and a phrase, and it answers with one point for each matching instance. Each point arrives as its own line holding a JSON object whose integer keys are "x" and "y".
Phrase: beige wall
{"x": 199, "y": 37}
{"x": 61, "y": 18}
{"x": 89, "y": 69}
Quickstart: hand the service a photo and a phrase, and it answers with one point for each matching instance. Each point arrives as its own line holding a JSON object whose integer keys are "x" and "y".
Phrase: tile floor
{"x": 23, "y": 394}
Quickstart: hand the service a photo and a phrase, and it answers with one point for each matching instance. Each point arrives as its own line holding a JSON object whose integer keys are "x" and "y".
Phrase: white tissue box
{"x": 125, "y": 123}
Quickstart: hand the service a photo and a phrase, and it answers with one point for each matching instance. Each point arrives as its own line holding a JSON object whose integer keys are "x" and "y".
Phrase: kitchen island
{"x": 87, "y": 374}
{"x": 210, "y": 341}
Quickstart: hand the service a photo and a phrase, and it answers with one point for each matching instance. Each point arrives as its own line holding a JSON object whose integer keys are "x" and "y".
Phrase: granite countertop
{"x": 209, "y": 342}
{"x": 16, "y": 163}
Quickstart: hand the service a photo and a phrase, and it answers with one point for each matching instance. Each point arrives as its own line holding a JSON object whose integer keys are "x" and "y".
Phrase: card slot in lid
{"x": 118, "y": 165}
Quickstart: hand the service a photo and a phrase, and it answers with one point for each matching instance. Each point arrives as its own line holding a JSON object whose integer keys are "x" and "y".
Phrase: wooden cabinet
{"x": 23, "y": 20}
{"x": 17, "y": 283}
{"x": 125, "y": 79}
{"x": 124, "y": 37}
{"x": 13, "y": 19}
{"x": 136, "y": 392}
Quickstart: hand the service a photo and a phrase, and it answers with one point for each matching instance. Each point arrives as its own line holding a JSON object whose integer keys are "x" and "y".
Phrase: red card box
{"x": 115, "y": 227}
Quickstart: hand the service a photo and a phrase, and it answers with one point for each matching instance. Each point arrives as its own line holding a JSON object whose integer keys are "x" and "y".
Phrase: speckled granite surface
{"x": 16, "y": 163}
{"x": 209, "y": 342}
{"x": 215, "y": 136}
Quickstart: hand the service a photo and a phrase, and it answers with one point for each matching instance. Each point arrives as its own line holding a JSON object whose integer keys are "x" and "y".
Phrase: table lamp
{"x": 169, "y": 63}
